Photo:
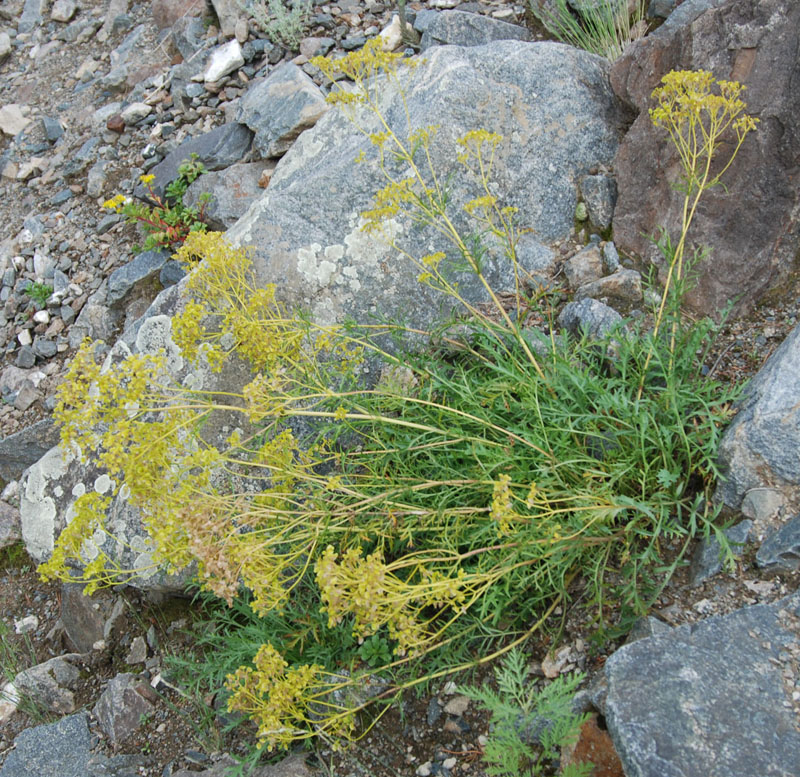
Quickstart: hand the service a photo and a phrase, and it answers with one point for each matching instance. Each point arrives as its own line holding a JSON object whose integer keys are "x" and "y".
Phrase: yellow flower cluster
{"x": 276, "y": 697}
{"x": 388, "y": 203}
{"x": 695, "y": 116}
{"x": 372, "y": 592}
{"x": 88, "y": 516}
{"x": 502, "y": 511}
{"x": 362, "y": 67}
{"x": 116, "y": 203}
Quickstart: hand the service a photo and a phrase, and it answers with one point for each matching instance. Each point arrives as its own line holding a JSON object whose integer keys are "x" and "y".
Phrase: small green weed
{"x": 375, "y": 651}
{"x": 281, "y": 23}
{"x": 604, "y": 28}
{"x": 16, "y": 654}
{"x": 39, "y": 293}
{"x": 528, "y": 725}
{"x": 15, "y": 556}
{"x": 167, "y": 223}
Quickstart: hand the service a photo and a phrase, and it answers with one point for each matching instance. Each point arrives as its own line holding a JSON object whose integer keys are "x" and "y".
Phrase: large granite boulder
{"x": 551, "y": 103}
{"x": 458, "y": 28}
{"x": 713, "y": 698}
{"x": 761, "y": 447}
{"x": 60, "y": 749}
{"x": 750, "y": 224}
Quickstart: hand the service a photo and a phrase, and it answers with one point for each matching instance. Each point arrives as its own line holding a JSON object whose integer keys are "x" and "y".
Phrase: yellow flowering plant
{"x": 696, "y": 111}
{"x": 452, "y": 502}
{"x": 167, "y": 221}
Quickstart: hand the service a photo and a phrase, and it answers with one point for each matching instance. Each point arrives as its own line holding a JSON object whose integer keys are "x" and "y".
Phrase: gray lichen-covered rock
{"x": 550, "y": 102}
{"x": 713, "y": 698}
{"x": 280, "y": 107}
{"x": 458, "y": 28}
{"x": 780, "y": 551}
{"x": 761, "y": 447}
{"x": 52, "y": 485}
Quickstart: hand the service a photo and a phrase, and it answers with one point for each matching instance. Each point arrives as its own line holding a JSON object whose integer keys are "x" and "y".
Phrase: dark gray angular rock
{"x": 647, "y": 627}
{"x": 353, "y": 42}
{"x": 80, "y": 160}
{"x": 780, "y": 551}
{"x": 610, "y": 258}
{"x": 52, "y": 128}
{"x": 760, "y": 447}
{"x": 60, "y": 282}
{"x": 44, "y": 348}
{"x": 458, "y": 28}
{"x": 85, "y": 618}
{"x": 107, "y": 222}
{"x": 220, "y": 148}
{"x": 121, "y": 706}
{"x": 171, "y": 273}
{"x": 96, "y": 321}
{"x": 25, "y": 447}
{"x": 144, "y": 268}
{"x": 708, "y": 698}
{"x": 707, "y": 558}
{"x": 232, "y": 191}
{"x": 588, "y": 316}
{"x": 60, "y": 749}
{"x": 59, "y": 198}
{"x": 280, "y": 107}
{"x": 660, "y": 9}
{"x": 26, "y": 358}
{"x": 188, "y": 35}
{"x": 424, "y": 19}
{"x": 600, "y": 195}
